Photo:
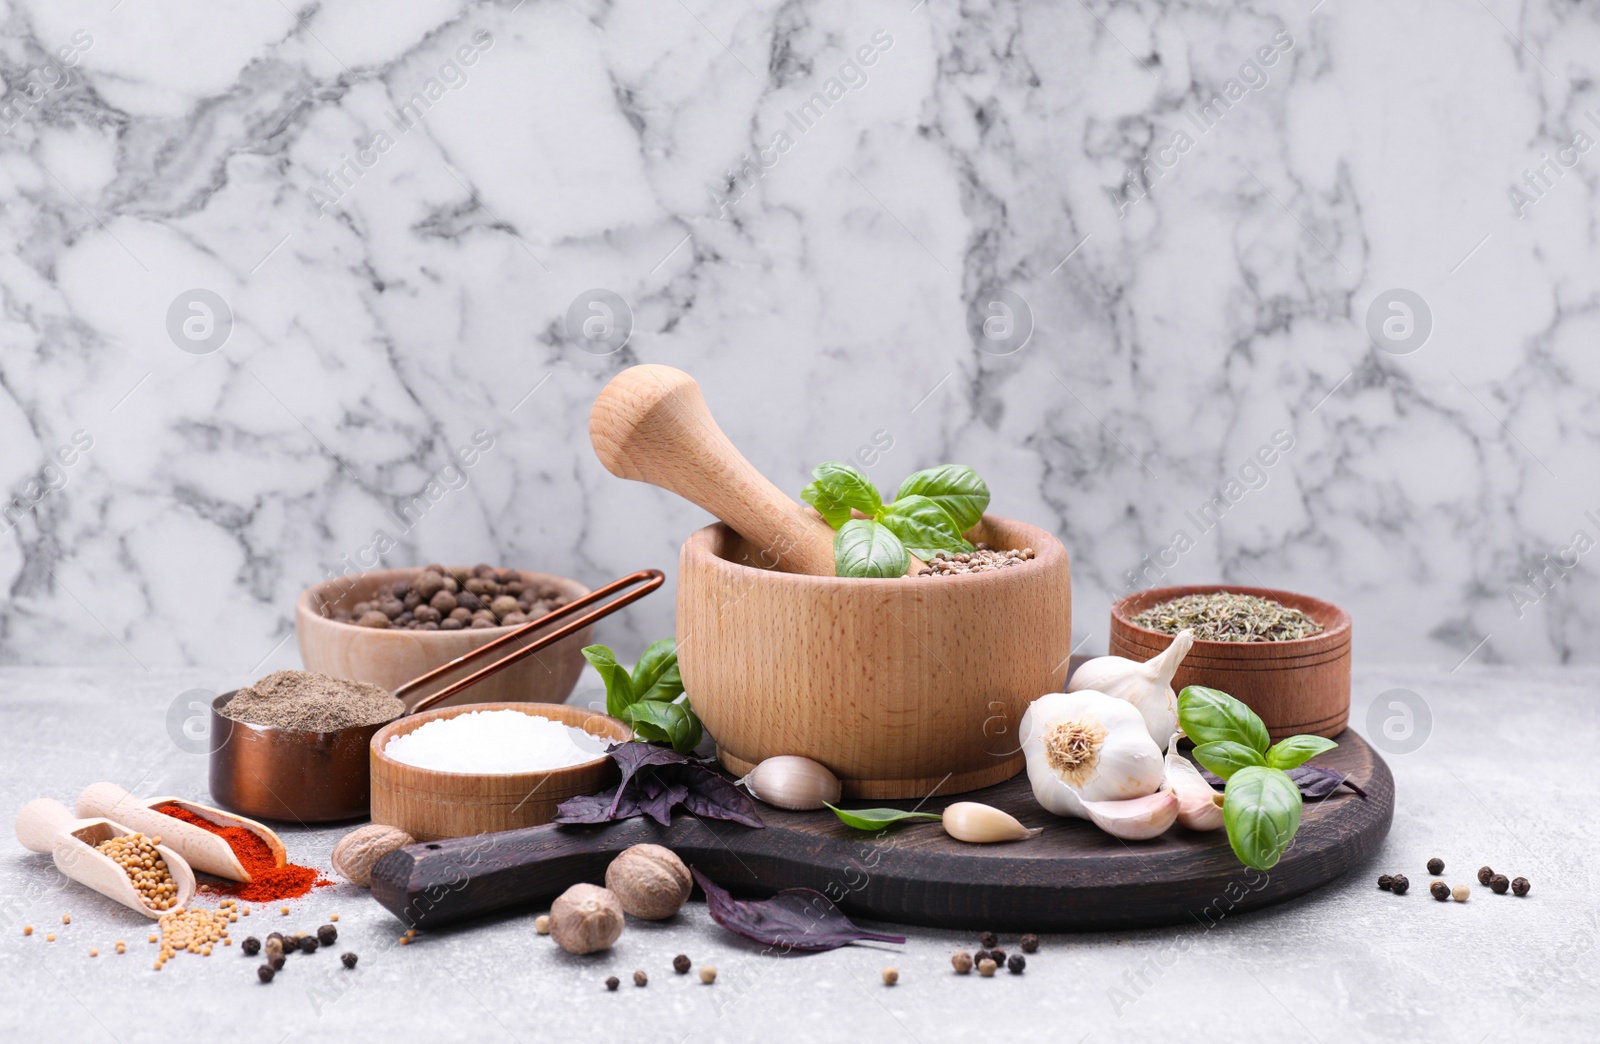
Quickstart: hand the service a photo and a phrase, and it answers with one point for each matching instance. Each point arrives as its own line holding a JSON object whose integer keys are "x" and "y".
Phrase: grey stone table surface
{"x": 1491, "y": 766}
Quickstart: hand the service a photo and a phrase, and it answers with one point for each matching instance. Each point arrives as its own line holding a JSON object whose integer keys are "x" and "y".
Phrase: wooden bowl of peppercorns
{"x": 338, "y": 626}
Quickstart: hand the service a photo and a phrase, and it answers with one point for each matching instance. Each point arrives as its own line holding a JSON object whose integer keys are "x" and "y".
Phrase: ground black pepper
{"x": 1029, "y": 943}
{"x": 1436, "y": 866}
{"x": 1440, "y": 890}
{"x": 1520, "y": 886}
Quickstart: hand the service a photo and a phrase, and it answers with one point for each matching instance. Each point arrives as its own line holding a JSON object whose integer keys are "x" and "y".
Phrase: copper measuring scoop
{"x": 322, "y": 777}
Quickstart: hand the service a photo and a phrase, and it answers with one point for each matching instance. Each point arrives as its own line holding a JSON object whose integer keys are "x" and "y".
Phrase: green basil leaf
{"x": 878, "y": 818}
{"x": 839, "y": 488}
{"x": 1261, "y": 809}
{"x": 619, "y": 687}
{"x": 955, "y": 487}
{"x": 862, "y": 547}
{"x": 655, "y": 676}
{"x": 923, "y": 527}
{"x": 1225, "y": 757}
{"x": 672, "y": 723}
{"x": 1211, "y": 716}
{"x": 1295, "y": 751}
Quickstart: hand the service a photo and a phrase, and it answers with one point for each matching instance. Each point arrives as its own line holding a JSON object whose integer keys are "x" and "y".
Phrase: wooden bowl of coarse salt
{"x": 485, "y": 767}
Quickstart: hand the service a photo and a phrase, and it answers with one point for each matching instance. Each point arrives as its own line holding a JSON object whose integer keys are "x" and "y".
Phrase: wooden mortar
{"x": 904, "y": 687}
{"x": 1298, "y": 686}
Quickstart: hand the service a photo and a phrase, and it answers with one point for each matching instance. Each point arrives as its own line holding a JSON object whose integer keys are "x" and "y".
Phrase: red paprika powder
{"x": 269, "y": 882}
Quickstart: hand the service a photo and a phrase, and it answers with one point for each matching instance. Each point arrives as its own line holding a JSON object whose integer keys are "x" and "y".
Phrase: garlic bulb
{"x": 984, "y": 824}
{"x": 1087, "y": 746}
{"x": 1148, "y": 685}
{"x": 1199, "y": 807}
{"x": 790, "y": 781}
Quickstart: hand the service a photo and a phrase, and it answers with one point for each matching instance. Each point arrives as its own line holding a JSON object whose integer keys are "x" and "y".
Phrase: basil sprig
{"x": 650, "y": 697}
{"x": 929, "y": 514}
{"x": 1261, "y": 805}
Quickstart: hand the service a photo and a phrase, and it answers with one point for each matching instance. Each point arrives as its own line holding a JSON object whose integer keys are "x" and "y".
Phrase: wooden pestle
{"x": 651, "y": 424}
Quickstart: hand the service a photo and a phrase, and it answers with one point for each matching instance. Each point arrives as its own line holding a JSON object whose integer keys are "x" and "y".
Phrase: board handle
{"x": 41, "y": 821}
{"x": 651, "y": 424}
{"x": 105, "y": 799}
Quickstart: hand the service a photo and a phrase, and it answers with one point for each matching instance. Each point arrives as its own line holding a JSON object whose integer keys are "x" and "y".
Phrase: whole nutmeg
{"x": 650, "y": 881}
{"x": 358, "y": 851}
{"x": 585, "y": 918}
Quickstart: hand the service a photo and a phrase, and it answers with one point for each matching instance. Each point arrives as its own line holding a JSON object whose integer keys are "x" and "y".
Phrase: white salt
{"x": 498, "y": 741}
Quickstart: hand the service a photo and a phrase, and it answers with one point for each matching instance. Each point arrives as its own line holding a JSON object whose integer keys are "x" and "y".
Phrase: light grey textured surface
{"x": 1506, "y": 778}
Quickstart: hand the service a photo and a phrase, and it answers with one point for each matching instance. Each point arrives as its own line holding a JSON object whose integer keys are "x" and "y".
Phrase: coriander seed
{"x": 266, "y": 972}
{"x": 1385, "y": 882}
{"x": 988, "y": 940}
{"x": 1015, "y": 963}
{"x": 961, "y": 962}
{"x": 1519, "y": 886}
{"x": 1460, "y": 892}
{"x": 1029, "y": 943}
{"x": 640, "y": 978}
{"x": 680, "y": 964}
{"x": 1399, "y": 884}
{"x": 1440, "y": 890}
{"x": 986, "y": 968}
{"x": 348, "y": 959}
{"x": 1499, "y": 883}
{"x": 708, "y": 974}
{"x": 891, "y": 975}
{"x": 1436, "y": 866}
{"x": 1485, "y": 875}
{"x": 612, "y": 982}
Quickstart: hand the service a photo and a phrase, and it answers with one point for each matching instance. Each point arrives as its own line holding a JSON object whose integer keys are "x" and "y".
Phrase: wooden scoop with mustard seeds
{"x": 203, "y": 850}
{"x": 134, "y": 869}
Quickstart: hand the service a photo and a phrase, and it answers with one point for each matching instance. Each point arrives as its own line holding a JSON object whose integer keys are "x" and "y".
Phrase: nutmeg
{"x": 359, "y": 851}
{"x": 650, "y": 881}
{"x": 585, "y": 918}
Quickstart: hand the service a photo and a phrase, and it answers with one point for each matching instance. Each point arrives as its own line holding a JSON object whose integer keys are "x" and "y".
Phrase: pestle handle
{"x": 651, "y": 424}
{"x": 41, "y": 821}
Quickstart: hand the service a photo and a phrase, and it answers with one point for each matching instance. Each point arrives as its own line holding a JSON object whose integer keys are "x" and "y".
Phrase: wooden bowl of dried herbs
{"x": 1286, "y": 655}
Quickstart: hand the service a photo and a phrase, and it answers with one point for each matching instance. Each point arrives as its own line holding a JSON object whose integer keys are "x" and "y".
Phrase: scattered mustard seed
{"x": 27, "y": 929}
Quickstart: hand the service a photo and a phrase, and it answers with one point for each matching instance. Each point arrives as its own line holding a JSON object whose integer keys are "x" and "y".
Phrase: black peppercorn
{"x": 308, "y": 944}
{"x": 1485, "y": 875}
{"x": 1499, "y": 883}
{"x": 997, "y": 956}
{"x": 1440, "y": 890}
{"x": 1029, "y": 943}
{"x": 1519, "y": 886}
{"x": 1436, "y": 866}
{"x": 251, "y": 946}
{"x": 265, "y": 973}
{"x": 1399, "y": 883}
{"x": 988, "y": 940}
{"x": 640, "y": 978}
{"x": 276, "y": 960}
{"x": 980, "y": 956}
{"x": 1015, "y": 963}
{"x": 349, "y": 959}
{"x": 327, "y": 934}
{"x": 680, "y": 964}
{"x": 1385, "y": 882}
{"x": 612, "y": 983}
{"x": 275, "y": 935}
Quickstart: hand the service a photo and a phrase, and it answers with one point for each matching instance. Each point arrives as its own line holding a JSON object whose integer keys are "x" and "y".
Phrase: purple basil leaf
{"x": 712, "y": 796}
{"x": 659, "y": 797}
{"x": 586, "y": 808}
{"x": 794, "y": 919}
{"x": 1317, "y": 783}
{"x": 655, "y": 780}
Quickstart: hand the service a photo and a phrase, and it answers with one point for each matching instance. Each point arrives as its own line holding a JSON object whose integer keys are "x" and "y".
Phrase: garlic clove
{"x": 1199, "y": 807}
{"x": 1147, "y": 685}
{"x": 984, "y": 824}
{"x": 1136, "y": 819}
{"x": 790, "y": 781}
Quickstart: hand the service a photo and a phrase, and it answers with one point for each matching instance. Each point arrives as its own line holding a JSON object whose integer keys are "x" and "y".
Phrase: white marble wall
{"x": 1199, "y": 277}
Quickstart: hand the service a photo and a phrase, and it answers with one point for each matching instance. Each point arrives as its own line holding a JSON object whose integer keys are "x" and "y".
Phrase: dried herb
{"x": 794, "y": 919}
{"x": 656, "y": 780}
{"x": 1223, "y": 616}
{"x": 877, "y": 818}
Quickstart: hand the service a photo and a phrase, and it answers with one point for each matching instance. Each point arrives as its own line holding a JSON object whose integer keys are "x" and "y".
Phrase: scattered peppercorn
{"x": 327, "y": 934}
{"x": 640, "y": 978}
{"x": 1399, "y": 884}
{"x": 1440, "y": 890}
{"x": 1485, "y": 875}
{"x": 1015, "y": 963}
{"x": 275, "y": 935}
{"x": 1029, "y": 943}
{"x": 308, "y": 944}
{"x": 680, "y": 964}
{"x": 1385, "y": 882}
{"x": 1519, "y": 886}
{"x": 612, "y": 982}
{"x": 1436, "y": 866}
{"x": 349, "y": 959}
{"x": 266, "y": 972}
{"x": 986, "y": 968}
{"x": 1499, "y": 883}
{"x": 1460, "y": 892}
{"x": 251, "y": 946}
{"x": 988, "y": 940}
{"x": 980, "y": 956}
{"x": 891, "y": 975}
{"x": 541, "y": 924}
{"x": 961, "y": 962}
{"x": 276, "y": 960}
{"x": 708, "y": 975}
{"x": 997, "y": 956}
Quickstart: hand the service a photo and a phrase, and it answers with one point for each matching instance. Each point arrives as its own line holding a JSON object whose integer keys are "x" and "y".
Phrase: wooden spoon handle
{"x": 203, "y": 849}
{"x": 41, "y": 821}
{"x": 651, "y": 424}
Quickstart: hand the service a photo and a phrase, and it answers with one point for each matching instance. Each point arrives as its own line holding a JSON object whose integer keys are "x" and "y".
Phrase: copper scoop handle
{"x": 649, "y": 578}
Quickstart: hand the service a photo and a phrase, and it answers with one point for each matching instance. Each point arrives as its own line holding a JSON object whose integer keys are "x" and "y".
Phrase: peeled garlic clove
{"x": 1136, "y": 819}
{"x": 1147, "y": 685}
{"x": 984, "y": 824}
{"x": 790, "y": 781}
{"x": 1199, "y": 807}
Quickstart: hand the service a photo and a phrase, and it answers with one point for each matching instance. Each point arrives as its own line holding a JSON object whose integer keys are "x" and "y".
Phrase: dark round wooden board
{"x": 1071, "y": 877}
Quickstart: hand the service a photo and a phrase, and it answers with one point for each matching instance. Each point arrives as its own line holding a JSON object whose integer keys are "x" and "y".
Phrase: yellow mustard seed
{"x": 27, "y": 929}
{"x": 50, "y": 938}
